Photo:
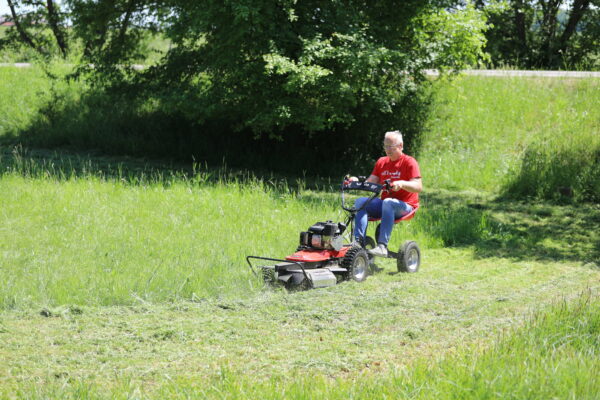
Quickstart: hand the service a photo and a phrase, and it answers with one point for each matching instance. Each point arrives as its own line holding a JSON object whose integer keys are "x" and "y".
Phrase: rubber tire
{"x": 377, "y": 232}
{"x": 409, "y": 257}
{"x": 354, "y": 258}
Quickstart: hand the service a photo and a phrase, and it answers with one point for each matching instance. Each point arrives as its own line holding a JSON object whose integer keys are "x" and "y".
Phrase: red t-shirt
{"x": 405, "y": 168}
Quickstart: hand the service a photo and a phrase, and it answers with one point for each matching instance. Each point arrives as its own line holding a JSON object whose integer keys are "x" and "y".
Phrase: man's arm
{"x": 415, "y": 185}
{"x": 371, "y": 178}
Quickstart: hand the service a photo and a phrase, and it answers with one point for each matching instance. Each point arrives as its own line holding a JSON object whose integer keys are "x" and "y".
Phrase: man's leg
{"x": 391, "y": 209}
{"x": 372, "y": 209}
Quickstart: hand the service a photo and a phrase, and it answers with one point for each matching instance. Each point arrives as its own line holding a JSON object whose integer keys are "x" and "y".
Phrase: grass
{"x": 560, "y": 169}
{"x": 74, "y": 236}
{"x": 482, "y": 127}
{"x": 24, "y": 91}
{"x": 152, "y": 45}
{"x": 124, "y": 278}
{"x": 385, "y": 338}
{"x": 520, "y": 136}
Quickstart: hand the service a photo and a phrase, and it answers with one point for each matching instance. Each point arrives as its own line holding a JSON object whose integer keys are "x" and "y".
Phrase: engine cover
{"x": 323, "y": 235}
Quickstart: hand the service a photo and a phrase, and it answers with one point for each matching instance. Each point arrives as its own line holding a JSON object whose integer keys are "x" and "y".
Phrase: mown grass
{"x": 557, "y": 352}
{"x": 553, "y": 355}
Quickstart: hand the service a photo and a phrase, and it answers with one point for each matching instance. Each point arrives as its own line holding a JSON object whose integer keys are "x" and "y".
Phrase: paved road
{"x": 432, "y": 72}
{"x": 512, "y": 72}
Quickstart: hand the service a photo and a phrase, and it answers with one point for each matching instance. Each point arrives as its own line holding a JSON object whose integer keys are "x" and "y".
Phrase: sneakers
{"x": 379, "y": 251}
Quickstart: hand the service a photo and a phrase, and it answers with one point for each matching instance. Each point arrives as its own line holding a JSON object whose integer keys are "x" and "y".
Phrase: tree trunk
{"x": 579, "y": 8}
{"x": 58, "y": 33}
{"x": 520, "y": 28}
{"x": 101, "y": 32}
{"x": 547, "y": 56}
{"x": 125, "y": 25}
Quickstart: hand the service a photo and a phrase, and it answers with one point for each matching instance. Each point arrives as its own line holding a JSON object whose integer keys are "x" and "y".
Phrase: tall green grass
{"x": 94, "y": 241}
{"x": 23, "y": 91}
{"x": 81, "y": 230}
{"x": 72, "y": 232}
{"x": 525, "y": 134}
{"x": 560, "y": 169}
{"x": 534, "y": 137}
{"x": 152, "y": 47}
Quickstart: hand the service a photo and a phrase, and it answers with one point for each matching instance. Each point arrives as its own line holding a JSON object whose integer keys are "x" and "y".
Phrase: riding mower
{"x": 326, "y": 256}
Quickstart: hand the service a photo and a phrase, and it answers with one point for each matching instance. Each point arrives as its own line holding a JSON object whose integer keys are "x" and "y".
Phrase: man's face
{"x": 393, "y": 148}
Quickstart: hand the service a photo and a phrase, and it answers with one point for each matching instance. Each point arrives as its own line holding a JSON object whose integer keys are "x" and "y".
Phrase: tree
{"x": 543, "y": 33}
{"x": 31, "y": 19}
{"x": 332, "y": 74}
{"x": 107, "y": 29}
{"x": 271, "y": 64}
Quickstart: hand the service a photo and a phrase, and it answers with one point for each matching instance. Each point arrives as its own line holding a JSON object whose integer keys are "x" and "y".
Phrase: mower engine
{"x": 323, "y": 235}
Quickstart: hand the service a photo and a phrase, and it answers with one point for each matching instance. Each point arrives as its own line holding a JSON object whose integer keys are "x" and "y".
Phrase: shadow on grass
{"x": 518, "y": 230}
{"x": 543, "y": 231}
{"x": 64, "y": 164}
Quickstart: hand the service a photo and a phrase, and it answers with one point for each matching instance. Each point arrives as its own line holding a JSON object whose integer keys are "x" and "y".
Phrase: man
{"x": 403, "y": 197}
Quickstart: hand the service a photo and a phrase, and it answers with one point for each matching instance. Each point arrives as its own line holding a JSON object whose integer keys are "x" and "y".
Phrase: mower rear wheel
{"x": 409, "y": 257}
{"x": 356, "y": 261}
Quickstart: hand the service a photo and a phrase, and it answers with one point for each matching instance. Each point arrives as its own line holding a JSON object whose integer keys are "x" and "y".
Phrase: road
{"x": 432, "y": 72}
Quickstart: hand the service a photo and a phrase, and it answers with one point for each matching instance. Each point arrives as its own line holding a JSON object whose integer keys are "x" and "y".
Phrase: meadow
{"x": 126, "y": 278}
{"x": 515, "y": 134}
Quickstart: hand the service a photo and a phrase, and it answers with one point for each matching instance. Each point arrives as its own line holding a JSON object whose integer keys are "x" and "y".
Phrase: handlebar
{"x": 362, "y": 185}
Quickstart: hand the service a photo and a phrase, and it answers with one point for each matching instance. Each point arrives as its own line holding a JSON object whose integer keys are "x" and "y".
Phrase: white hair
{"x": 395, "y": 134}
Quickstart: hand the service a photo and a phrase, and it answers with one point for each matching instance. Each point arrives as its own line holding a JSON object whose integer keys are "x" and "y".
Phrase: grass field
{"x": 481, "y": 127}
{"x": 127, "y": 279}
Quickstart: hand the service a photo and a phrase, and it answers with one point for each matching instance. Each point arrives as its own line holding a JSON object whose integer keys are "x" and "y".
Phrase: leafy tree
{"x": 543, "y": 33}
{"x": 271, "y": 64}
{"x": 40, "y": 25}
{"x": 308, "y": 73}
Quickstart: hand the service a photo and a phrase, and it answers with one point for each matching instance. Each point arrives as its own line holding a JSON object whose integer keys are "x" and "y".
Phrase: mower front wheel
{"x": 356, "y": 261}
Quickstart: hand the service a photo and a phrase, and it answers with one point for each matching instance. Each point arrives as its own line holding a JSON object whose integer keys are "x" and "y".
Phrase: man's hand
{"x": 371, "y": 179}
{"x": 413, "y": 186}
{"x": 397, "y": 185}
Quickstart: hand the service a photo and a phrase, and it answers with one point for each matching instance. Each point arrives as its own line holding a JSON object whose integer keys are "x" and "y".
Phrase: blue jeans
{"x": 388, "y": 210}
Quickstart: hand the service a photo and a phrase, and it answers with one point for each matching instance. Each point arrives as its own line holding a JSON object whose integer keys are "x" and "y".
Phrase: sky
{"x": 4, "y": 7}
{"x": 4, "y": 10}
